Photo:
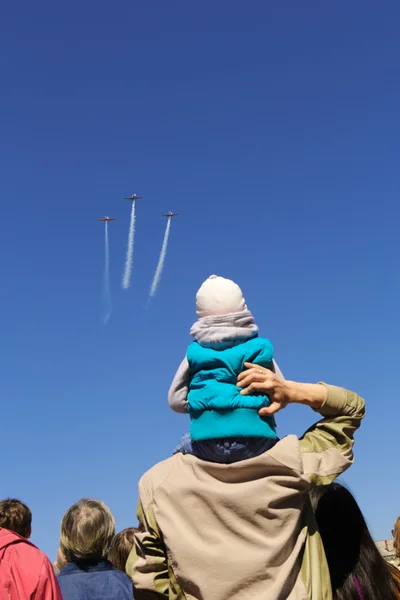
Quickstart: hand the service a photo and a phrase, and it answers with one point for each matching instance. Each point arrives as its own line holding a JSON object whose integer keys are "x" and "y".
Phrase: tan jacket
{"x": 243, "y": 531}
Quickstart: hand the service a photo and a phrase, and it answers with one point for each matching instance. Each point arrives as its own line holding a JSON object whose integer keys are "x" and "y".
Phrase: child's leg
{"x": 225, "y": 451}
{"x": 185, "y": 445}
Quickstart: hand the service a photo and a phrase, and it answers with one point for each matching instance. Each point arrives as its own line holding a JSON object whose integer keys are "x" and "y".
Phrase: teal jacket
{"x": 215, "y": 405}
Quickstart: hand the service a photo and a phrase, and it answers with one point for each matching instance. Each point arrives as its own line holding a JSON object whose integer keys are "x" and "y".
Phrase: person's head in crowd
{"x": 357, "y": 569}
{"x": 87, "y": 530}
{"x": 396, "y": 537}
{"x": 16, "y": 516}
{"x": 25, "y": 572}
{"x": 121, "y": 547}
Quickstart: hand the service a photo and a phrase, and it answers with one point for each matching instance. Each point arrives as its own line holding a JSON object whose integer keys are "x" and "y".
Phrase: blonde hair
{"x": 121, "y": 547}
{"x": 396, "y": 537}
{"x": 87, "y": 530}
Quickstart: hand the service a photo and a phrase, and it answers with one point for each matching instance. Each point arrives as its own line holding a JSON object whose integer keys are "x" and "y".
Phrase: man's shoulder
{"x": 154, "y": 478}
{"x": 287, "y": 453}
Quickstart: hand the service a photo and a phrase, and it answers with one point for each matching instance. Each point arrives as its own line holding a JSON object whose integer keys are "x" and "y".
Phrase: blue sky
{"x": 273, "y": 129}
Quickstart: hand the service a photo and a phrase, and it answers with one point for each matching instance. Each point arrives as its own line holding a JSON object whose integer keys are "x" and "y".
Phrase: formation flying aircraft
{"x": 134, "y": 197}
{"x": 170, "y": 214}
{"x": 106, "y": 219}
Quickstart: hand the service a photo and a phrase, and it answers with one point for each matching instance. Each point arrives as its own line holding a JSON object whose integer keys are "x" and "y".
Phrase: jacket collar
{"x": 86, "y": 567}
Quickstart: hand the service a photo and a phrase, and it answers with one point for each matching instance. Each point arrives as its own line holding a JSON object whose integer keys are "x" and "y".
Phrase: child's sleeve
{"x": 277, "y": 370}
{"x": 178, "y": 392}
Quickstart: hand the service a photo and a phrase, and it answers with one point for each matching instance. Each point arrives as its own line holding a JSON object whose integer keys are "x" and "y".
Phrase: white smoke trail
{"x": 106, "y": 288}
{"x": 161, "y": 260}
{"x": 126, "y": 281}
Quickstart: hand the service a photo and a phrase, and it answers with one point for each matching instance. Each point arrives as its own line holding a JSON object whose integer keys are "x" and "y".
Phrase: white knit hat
{"x": 219, "y": 296}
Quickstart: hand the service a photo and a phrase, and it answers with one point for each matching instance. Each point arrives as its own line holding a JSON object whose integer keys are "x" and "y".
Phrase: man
{"x": 246, "y": 530}
{"x": 25, "y": 572}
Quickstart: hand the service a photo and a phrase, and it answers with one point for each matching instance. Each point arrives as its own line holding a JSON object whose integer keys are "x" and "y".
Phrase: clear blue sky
{"x": 273, "y": 129}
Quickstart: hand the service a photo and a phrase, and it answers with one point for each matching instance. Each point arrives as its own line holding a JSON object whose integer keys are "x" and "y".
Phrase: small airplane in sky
{"x": 170, "y": 214}
{"x": 106, "y": 219}
{"x": 134, "y": 197}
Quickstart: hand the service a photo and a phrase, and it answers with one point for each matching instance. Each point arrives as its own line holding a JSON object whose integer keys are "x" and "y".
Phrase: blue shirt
{"x": 94, "y": 581}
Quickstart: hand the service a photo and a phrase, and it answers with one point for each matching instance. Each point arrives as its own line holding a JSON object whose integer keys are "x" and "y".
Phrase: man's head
{"x": 16, "y": 516}
{"x": 87, "y": 530}
{"x": 219, "y": 296}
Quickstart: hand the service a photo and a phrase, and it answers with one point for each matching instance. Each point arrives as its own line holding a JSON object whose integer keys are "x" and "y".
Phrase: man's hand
{"x": 257, "y": 380}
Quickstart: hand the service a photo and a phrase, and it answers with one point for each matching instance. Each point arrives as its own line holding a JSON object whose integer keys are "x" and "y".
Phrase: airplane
{"x": 170, "y": 214}
{"x": 106, "y": 219}
{"x": 134, "y": 197}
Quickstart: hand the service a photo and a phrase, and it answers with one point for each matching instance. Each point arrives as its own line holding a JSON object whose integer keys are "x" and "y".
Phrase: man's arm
{"x": 327, "y": 447}
{"x": 147, "y": 563}
{"x": 177, "y": 395}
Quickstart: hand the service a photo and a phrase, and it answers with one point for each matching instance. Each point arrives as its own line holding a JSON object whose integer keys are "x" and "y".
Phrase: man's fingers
{"x": 255, "y": 386}
{"x": 265, "y": 373}
{"x": 249, "y": 378}
{"x": 270, "y": 410}
{"x": 251, "y": 368}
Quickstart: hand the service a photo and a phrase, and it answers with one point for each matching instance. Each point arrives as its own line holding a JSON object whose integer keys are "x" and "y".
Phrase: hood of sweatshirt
{"x": 233, "y": 328}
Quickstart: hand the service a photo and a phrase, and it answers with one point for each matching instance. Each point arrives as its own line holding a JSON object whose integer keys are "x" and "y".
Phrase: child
{"x": 225, "y": 425}
{"x": 121, "y": 547}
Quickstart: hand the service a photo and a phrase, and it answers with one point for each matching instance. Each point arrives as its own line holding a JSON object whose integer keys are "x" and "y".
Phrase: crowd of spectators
{"x": 92, "y": 560}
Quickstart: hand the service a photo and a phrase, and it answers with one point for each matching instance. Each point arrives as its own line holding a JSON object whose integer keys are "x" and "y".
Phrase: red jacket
{"x": 25, "y": 572}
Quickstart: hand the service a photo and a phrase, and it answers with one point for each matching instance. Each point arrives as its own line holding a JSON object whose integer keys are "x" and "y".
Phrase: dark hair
{"x": 15, "y": 516}
{"x": 353, "y": 558}
{"x": 121, "y": 547}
